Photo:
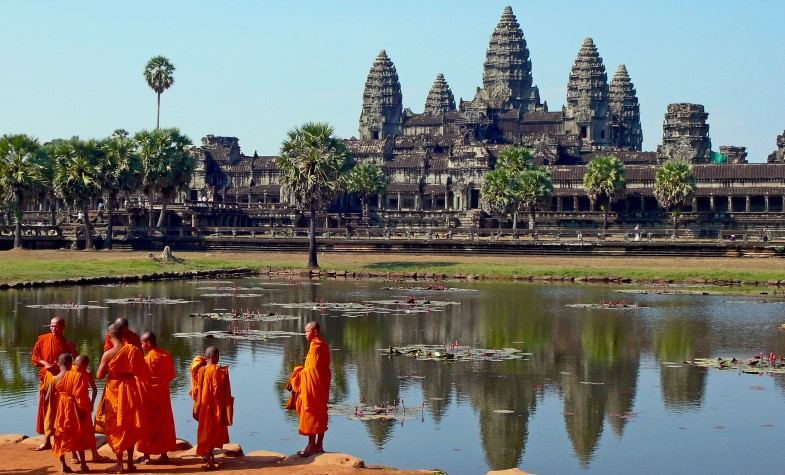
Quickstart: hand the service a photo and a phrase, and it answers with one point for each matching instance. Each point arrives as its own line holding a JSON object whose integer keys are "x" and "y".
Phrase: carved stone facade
{"x": 625, "y": 112}
{"x": 382, "y": 105}
{"x": 440, "y": 99}
{"x": 778, "y": 156}
{"x": 586, "y": 113}
{"x": 685, "y": 134}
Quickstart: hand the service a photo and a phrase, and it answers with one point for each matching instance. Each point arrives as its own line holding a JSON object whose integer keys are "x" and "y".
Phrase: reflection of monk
{"x": 46, "y": 350}
{"x": 160, "y": 436}
{"x": 71, "y": 403}
{"x": 127, "y": 336}
{"x": 213, "y": 407}
{"x": 311, "y": 384}
{"x": 119, "y": 414}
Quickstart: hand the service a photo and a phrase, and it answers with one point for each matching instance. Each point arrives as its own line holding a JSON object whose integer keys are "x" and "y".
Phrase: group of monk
{"x": 135, "y": 410}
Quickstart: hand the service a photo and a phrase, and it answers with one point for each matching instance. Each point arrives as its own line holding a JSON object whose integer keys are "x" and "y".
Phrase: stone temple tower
{"x": 625, "y": 112}
{"x": 382, "y": 102}
{"x": 507, "y": 73}
{"x": 440, "y": 98}
{"x": 685, "y": 134}
{"x": 586, "y": 114}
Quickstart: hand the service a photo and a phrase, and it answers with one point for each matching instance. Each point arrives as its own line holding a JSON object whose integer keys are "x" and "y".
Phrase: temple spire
{"x": 382, "y": 101}
{"x": 586, "y": 114}
{"x": 440, "y": 98}
{"x": 625, "y": 113}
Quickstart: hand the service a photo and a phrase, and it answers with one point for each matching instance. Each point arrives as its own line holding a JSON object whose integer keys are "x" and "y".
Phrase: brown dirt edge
{"x": 18, "y": 455}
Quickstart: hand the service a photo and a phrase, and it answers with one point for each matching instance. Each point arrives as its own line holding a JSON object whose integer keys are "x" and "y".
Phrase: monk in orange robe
{"x": 311, "y": 384}
{"x": 127, "y": 335}
{"x": 160, "y": 436}
{"x": 71, "y": 401}
{"x": 82, "y": 367}
{"x": 120, "y": 413}
{"x": 46, "y": 350}
{"x": 213, "y": 407}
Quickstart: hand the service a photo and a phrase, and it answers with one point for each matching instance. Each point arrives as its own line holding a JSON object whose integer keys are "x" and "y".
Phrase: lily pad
{"x": 455, "y": 353}
{"x": 258, "y": 335}
{"x": 244, "y": 316}
{"x": 147, "y": 301}
{"x": 607, "y": 306}
{"x": 65, "y": 306}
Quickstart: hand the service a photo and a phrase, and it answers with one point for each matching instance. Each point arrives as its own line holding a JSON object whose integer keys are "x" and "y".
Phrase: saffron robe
{"x": 47, "y": 348}
{"x": 120, "y": 415}
{"x": 71, "y": 404}
{"x": 128, "y": 337}
{"x": 160, "y": 435}
{"x": 311, "y": 383}
{"x": 88, "y": 431}
{"x": 196, "y": 364}
{"x": 213, "y": 408}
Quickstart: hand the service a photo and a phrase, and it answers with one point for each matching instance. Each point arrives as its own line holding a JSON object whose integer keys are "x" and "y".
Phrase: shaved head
{"x": 149, "y": 337}
{"x": 57, "y": 320}
{"x": 313, "y": 325}
{"x": 122, "y": 322}
{"x": 211, "y": 354}
{"x": 82, "y": 360}
{"x": 65, "y": 359}
{"x": 115, "y": 331}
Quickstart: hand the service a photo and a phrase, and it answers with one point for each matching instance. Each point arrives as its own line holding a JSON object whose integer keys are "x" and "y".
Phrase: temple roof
{"x": 440, "y": 98}
{"x": 587, "y": 87}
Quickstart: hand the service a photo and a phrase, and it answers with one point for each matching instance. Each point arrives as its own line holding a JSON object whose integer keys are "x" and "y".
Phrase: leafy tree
{"x": 78, "y": 176}
{"x": 515, "y": 159}
{"x": 313, "y": 163}
{"x": 20, "y": 174}
{"x": 366, "y": 180}
{"x": 674, "y": 182}
{"x": 499, "y": 193}
{"x": 604, "y": 178}
{"x": 45, "y": 190}
{"x": 159, "y": 74}
{"x": 166, "y": 165}
{"x": 120, "y": 172}
{"x": 534, "y": 186}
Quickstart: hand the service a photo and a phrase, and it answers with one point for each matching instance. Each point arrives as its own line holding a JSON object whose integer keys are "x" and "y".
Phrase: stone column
{"x": 694, "y": 205}
{"x": 592, "y": 204}
{"x": 399, "y": 201}
{"x": 575, "y": 203}
{"x": 417, "y": 201}
{"x": 379, "y": 202}
{"x": 559, "y": 203}
{"x": 747, "y": 204}
{"x": 446, "y": 203}
{"x": 730, "y": 204}
{"x": 643, "y": 203}
{"x": 766, "y": 203}
{"x": 711, "y": 203}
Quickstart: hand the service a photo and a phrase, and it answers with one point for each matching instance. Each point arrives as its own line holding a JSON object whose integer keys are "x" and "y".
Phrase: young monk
{"x": 127, "y": 335}
{"x": 160, "y": 436}
{"x": 213, "y": 407}
{"x": 120, "y": 413}
{"x": 82, "y": 367}
{"x": 311, "y": 383}
{"x": 46, "y": 350}
{"x": 70, "y": 399}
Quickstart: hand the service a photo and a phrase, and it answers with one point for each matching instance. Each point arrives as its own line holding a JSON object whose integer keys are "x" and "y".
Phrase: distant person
{"x": 310, "y": 386}
{"x": 80, "y": 217}
{"x": 213, "y": 407}
{"x": 70, "y": 400}
{"x": 160, "y": 436}
{"x": 46, "y": 352}
{"x": 126, "y": 335}
{"x": 82, "y": 367}
{"x": 120, "y": 414}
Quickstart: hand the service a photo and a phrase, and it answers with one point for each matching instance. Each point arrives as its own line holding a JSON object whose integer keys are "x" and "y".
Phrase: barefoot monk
{"x": 213, "y": 407}
{"x": 126, "y": 335}
{"x": 160, "y": 436}
{"x": 71, "y": 403}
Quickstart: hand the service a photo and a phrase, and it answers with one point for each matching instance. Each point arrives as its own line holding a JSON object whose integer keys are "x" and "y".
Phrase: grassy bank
{"x": 41, "y": 265}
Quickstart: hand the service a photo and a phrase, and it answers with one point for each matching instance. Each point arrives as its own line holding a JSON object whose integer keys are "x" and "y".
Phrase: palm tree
{"x": 366, "y": 180}
{"x": 674, "y": 183}
{"x": 159, "y": 74}
{"x": 21, "y": 174}
{"x": 120, "y": 171}
{"x": 534, "y": 186}
{"x": 313, "y": 163}
{"x": 515, "y": 159}
{"x": 77, "y": 178}
{"x": 604, "y": 178}
{"x": 45, "y": 190}
{"x": 499, "y": 193}
{"x": 166, "y": 165}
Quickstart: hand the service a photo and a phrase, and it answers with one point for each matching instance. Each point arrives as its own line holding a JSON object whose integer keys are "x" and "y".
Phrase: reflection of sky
{"x": 684, "y": 420}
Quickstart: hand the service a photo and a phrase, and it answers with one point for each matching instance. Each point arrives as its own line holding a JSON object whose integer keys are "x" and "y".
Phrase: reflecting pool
{"x": 597, "y": 390}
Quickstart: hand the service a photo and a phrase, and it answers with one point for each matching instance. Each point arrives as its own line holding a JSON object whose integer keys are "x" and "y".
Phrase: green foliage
{"x": 674, "y": 183}
{"x": 21, "y": 172}
{"x": 121, "y": 166}
{"x": 498, "y": 191}
{"x": 77, "y": 176}
{"x": 159, "y": 74}
{"x": 515, "y": 159}
{"x": 534, "y": 186}
{"x": 166, "y": 165}
{"x": 366, "y": 180}
{"x": 604, "y": 177}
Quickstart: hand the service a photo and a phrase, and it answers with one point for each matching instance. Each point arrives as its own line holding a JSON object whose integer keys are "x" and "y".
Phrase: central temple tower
{"x": 382, "y": 112}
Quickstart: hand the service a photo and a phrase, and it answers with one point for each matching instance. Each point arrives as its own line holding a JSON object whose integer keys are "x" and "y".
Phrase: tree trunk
{"x": 312, "y": 263}
{"x": 532, "y": 217}
{"x": 366, "y": 211}
{"x": 52, "y": 211}
{"x": 605, "y": 218}
{"x": 88, "y": 239}
{"x": 163, "y": 213}
{"x": 675, "y": 224}
{"x": 109, "y": 226}
{"x": 18, "y": 225}
{"x": 150, "y": 215}
{"x": 158, "y": 113}
{"x": 515, "y": 221}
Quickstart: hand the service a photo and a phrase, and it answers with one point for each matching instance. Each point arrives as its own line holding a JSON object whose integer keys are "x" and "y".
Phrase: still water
{"x": 603, "y": 391}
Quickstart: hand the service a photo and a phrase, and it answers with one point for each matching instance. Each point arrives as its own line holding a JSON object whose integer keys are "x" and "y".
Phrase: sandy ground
{"x": 19, "y": 457}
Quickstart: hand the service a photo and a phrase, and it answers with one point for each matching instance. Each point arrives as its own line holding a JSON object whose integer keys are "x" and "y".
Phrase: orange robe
{"x": 88, "y": 431}
{"x": 72, "y": 409}
{"x": 311, "y": 382}
{"x": 213, "y": 408}
{"x": 196, "y": 364}
{"x": 120, "y": 413}
{"x": 128, "y": 337}
{"x": 160, "y": 434}
{"x": 47, "y": 348}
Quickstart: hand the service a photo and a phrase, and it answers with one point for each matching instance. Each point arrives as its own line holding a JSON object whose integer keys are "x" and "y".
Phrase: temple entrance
{"x": 474, "y": 199}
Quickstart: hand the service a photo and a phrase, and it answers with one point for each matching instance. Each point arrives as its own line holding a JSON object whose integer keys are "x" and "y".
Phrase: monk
{"x": 120, "y": 412}
{"x": 46, "y": 350}
{"x": 70, "y": 399}
{"x": 82, "y": 367}
{"x": 310, "y": 384}
{"x": 160, "y": 436}
{"x": 213, "y": 407}
{"x": 127, "y": 335}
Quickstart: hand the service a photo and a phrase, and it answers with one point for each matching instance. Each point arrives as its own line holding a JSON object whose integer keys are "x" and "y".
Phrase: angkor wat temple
{"x": 435, "y": 160}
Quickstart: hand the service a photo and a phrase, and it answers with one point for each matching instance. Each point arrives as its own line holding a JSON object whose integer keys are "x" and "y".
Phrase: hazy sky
{"x": 254, "y": 69}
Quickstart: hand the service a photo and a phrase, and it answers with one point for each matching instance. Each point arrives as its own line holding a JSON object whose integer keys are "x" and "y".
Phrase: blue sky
{"x": 255, "y": 69}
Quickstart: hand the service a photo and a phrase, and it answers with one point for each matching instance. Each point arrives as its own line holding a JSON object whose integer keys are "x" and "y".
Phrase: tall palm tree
{"x": 499, "y": 191}
{"x": 120, "y": 171}
{"x": 604, "y": 178}
{"x": 159, "y": 74}
{"x": 166, "y": 165}
{"x": 45, "y": 190}
{"x": 535, "y": 185}
{"x": 674, "y": 183}
{"x": 515, "y": 159}
{"x": 21, "y": 174}
{"x": 366, "y": 179}
{"x": 313, "y": 164}
{"x": 77, "y": 178}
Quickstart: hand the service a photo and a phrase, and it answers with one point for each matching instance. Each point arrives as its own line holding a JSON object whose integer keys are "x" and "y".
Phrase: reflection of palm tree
{"x": 682, "y": 388}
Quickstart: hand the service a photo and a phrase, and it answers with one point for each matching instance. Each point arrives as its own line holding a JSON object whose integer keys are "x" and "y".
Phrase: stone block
{"x": 334, "y": 459}
{"x": 35, "y": 441}
{"x": 12, "y": 438}
{"x": 266, "y": 456}
{"x": 232, "y": 450}
{"x": 509, "y": 471}
{"x": 182, "y": 444}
